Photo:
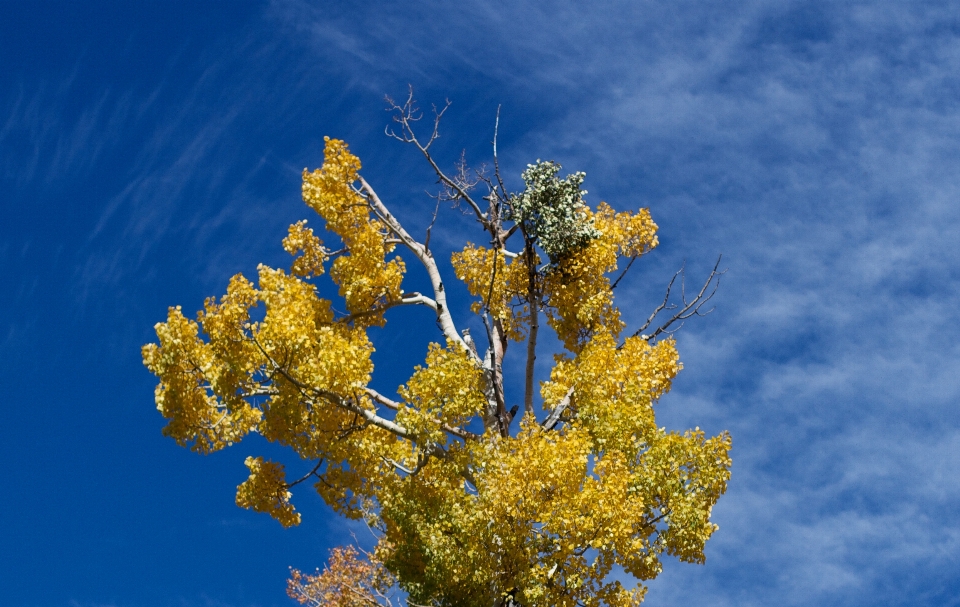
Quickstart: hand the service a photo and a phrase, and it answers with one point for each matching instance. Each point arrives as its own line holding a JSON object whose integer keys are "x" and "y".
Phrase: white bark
{"x": 429, "y": 263}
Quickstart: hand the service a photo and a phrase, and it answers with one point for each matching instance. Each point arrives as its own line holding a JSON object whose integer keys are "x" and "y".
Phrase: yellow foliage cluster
{"x": 190, "y": 372}
{"x": 551, "y": 515}
{"x": 266, "y": 491}
{"x": 366, "y": 279}
{"x": 300, "y": 239}
{"x": 578, "y": 289}
{"x": 634, "y": 234}
{"x": 282, "y": 376}
{"x": 449, "y": 390}
{"x": 467, "y": 513}
{"x": 347, "y": 581}
{"x": 498, "y": 286}
{"x": 615, "y": 389}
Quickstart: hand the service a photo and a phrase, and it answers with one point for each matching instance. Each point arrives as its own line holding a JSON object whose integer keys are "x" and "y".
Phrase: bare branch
{"x": 554, "y": 418}
{"x": 663, "y": 305}
{"x": 307, "y": 475}
{"x": 420, "y": 251}
{"x": 624, "y": 273}
{"x": 426, "y": 241}
{"x": 405, "y": 116}
{"x": 436, "y": 121}
{"x": 391, "y": 404}
{"x": 689, "y": 309}
{"x": 407, "y": 299}
{"x": 496, "y": 160}
{"x": 510, "y": 232}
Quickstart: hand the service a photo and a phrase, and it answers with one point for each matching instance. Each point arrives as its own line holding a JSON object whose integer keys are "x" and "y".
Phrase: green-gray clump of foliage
{"x": 552, "y": 211}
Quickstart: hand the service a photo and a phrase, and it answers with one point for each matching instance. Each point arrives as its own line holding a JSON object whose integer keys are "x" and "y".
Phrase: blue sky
{"x": 149, "y": 153}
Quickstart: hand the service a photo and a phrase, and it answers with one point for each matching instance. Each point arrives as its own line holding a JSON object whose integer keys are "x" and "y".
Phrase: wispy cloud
{"x": 816, "y": 146}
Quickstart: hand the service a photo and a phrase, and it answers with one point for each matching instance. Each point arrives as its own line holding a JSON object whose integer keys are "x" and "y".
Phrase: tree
{"x": 473, "y": 501}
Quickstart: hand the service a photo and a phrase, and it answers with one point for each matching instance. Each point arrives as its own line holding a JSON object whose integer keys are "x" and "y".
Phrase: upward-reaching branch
{"x": 533, "y": 303}
{"x": 491, "y": 220}
{"x": 426, "y": 259}
{"x": 496, "y": 159}
{"x": 406, "y": 115}
{"x": 394, "y": 405}
{"x": 689, "y": 309}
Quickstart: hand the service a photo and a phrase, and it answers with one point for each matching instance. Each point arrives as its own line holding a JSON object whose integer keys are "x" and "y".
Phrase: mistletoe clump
{"x": 552, "y": 210}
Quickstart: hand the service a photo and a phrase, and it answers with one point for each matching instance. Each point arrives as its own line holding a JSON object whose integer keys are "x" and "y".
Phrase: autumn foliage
{"x": 479, "y": 497}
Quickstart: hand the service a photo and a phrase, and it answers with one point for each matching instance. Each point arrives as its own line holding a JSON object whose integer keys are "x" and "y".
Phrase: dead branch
{"x": 426, "y": 241}
{"x": 496, "y": 159}
{"x": 624, "y": 273}
{"x": 466, "y": 177}
{"x": 406, "y": 116}
{"x": 689, "y": 309}
{"x": 307, "y": 475}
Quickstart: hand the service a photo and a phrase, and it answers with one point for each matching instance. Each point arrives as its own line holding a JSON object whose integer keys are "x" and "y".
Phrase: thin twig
{"x": 690, "y": 309}
{"x": 426, "y": 241}
{"x": 307, "y": 475}
{"x": 496, "y": 160}
{"x": 624, "y": 273}
{"x": 408, "y": 114}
